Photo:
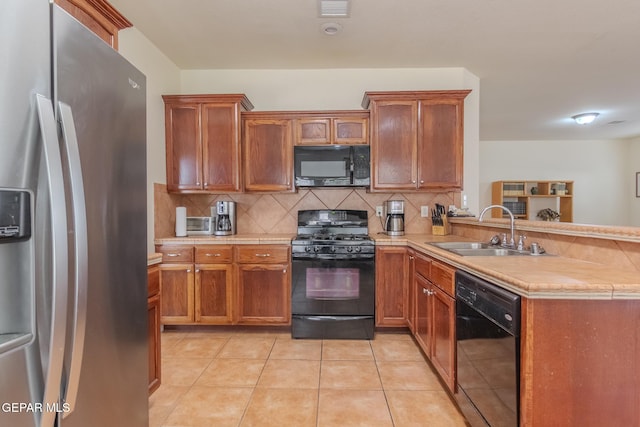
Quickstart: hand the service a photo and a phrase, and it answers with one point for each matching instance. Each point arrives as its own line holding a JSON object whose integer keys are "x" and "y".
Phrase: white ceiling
{"x": 539, "y": 62}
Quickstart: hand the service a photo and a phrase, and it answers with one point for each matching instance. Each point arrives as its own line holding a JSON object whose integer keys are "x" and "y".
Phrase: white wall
{"x": 163, "y": 76}
{"x": 598, "y": 169}
{"x": 343, "y": 89}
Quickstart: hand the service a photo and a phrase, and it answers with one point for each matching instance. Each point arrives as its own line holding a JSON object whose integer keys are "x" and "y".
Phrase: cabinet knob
{"x": 188, "y": 270}
{"x": 422, "y": 181}
{"x": 413, "y": 181}
{"x": 197, "y": 270}
{"x": 284, "y": 271}
{"x": 424, "y": 291}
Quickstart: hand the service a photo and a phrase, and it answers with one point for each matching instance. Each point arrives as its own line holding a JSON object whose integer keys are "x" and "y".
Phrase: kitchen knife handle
{"x": 59, "y": 254}
{"x": 81, "y": 274}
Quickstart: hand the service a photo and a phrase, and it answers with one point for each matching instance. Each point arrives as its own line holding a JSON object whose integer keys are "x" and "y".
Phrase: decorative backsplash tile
{"x": 278, "y": 212}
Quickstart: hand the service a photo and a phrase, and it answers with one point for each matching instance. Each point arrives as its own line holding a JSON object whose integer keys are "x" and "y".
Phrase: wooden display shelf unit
{"x": 526, "y": 198}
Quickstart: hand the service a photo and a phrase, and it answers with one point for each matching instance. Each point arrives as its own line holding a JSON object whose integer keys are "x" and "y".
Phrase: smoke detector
{"x": 333, "y": 8}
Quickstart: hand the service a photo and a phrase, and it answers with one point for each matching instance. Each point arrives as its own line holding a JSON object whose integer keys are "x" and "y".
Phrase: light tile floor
{"x": 224, "y": 377}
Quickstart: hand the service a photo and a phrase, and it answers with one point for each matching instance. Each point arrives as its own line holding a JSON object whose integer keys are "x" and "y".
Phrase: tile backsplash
{"x": 276, "y": 213}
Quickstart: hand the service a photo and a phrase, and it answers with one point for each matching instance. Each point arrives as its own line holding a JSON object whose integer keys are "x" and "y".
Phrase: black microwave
{"x": 332, "y": 166}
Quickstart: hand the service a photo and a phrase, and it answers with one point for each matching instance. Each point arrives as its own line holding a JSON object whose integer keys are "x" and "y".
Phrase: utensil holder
{"x": 441, "y": 230}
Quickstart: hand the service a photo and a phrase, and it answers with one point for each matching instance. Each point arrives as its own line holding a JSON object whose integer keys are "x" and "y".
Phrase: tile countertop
{"x": 547, "y": 276}
{"x": 236, "y": 239}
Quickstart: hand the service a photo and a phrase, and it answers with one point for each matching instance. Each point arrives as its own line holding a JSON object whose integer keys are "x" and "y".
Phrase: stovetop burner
{"x": 326, "y": 234}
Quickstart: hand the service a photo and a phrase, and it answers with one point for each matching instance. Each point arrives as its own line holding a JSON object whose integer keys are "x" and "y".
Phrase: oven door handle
{"x": 331, "y": 318}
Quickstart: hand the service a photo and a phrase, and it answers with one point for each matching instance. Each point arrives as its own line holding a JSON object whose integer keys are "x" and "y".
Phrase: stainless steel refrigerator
{"x": 73, "y": 317}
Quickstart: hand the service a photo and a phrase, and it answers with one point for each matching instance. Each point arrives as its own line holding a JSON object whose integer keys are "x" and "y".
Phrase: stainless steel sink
{"x": 460, "y": 245}
{"x": 478, "y": 249}
{"x": 490, "y": 252}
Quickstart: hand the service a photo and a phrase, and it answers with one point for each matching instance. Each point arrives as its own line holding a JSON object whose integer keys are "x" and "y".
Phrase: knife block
{"x": 441, "y": 230}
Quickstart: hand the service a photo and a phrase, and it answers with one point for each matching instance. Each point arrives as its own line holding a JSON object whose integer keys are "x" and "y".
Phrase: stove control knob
{"x": 358, "y": 249}
{"x": 307, "y": 249}
{"x": 349, "y": 248}
{"x": 316, "y": 248}
{"x": 333, "y": 249}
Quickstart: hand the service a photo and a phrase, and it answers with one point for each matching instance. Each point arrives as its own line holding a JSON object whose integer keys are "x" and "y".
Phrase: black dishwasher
{"x": 488, "y": 352}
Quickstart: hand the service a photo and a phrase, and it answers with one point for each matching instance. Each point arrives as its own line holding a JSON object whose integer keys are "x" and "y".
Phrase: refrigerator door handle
{"x": 59, "y": 253}
{"x": 80, "y": 279}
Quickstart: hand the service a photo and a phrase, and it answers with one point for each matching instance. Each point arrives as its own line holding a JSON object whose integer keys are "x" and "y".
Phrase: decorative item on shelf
{"x": 548, "y": 215}
{"x": 534, "y": 191}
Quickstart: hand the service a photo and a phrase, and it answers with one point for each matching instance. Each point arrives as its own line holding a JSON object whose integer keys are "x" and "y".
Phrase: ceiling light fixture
{"x": 331, "y": 28}
{"x": 585, "y": 118}
{"x": 333, "y": 8}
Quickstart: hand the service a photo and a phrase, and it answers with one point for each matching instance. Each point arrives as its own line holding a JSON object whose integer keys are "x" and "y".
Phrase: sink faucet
{"x": 511, "y": 243}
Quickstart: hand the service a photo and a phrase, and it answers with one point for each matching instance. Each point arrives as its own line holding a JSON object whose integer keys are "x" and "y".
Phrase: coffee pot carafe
{"x": 224, "y": 215}
{"x": 393, "y": 211}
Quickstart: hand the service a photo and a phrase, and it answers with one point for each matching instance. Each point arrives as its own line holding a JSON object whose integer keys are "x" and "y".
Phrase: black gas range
{"x": 333, "y": 275}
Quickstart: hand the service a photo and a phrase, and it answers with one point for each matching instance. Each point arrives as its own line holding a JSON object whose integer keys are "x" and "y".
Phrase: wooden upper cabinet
{"x": 441, "y": 139}
{"x": 268, "y": 154}
{"x": 335, "y": 127}
{"x": 416, "y": 139}
{"x": 203, "y": 142}
{"x": 394, "y": 145}
{"x": 98, "y": 16}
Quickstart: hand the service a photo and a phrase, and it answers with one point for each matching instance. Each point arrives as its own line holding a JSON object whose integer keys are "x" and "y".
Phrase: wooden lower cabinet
{"x": 263, "y": 294}
{"x": 213, "y": 293}
{"x": 177, "y": 284}
{"x": 392, "y": 290}
{"x": 225, "y": 284}
{"x": 435, "y": 307}
{"x": 264, "y": 284}
{"x": 153, "y": 316}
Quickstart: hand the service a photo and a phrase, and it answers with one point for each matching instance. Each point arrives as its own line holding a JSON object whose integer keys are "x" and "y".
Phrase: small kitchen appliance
{"x": 393, "y": 212}
{"x": 199, "y": 226}
{"x": 224, "y": 216}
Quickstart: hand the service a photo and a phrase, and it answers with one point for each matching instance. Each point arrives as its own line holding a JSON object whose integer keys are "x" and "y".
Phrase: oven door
{"x": 333, "y": 298}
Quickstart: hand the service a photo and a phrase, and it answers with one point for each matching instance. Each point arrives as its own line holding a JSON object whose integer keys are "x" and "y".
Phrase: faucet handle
{"x": 504, "y": 241}
{"x": 495, "y": 240}
{"x": 521, "y": 240}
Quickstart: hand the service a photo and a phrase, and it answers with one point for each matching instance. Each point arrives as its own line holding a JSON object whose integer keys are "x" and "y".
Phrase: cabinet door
{"x": 440, "y": 143}
{"x": 443, "y": 344}
{"x": 221, "y": 146}
{"x": 393, "y": 145}
{"x": 411, "y": 297}
{"x": 350, "y": 131}
{"x": 268, "y": 153}
{"x": 264, "y": 294}
{"x": 176, "y": 288}
{"x": 184, "y": 148}
{"x": 391, "y": 287}
{"x": 153, "y": 342}
{"x": 423, "y": 313}
{"x": 316, "y": 131}
{"x": 213, "y": 293}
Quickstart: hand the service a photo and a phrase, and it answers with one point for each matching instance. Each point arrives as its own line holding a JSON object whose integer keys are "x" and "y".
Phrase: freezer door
{"x": 101, "y": 103}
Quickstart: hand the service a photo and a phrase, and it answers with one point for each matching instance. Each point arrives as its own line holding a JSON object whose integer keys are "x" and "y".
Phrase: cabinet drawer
{"x": 262, "y": 254}
{"x": 153, "y": 280}
{"x": 423, "y": 266}
{"x": 443, "y": 277}
{"x": 214, "y": 254}
{"x": 175, "y": 253}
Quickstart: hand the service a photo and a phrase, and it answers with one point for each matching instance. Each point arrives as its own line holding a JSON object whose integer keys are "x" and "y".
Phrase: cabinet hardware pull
{"x": 188, "y": 270}
{"x": 212, "y": 254}
{"x": 263, "y": 255}
{"x": 172, "y": 254}
{"x": 197, "y": 270}
{"x": 424, "y": 291}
